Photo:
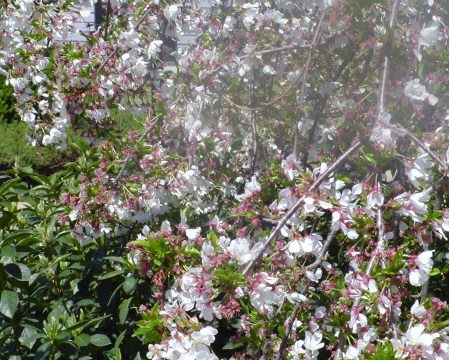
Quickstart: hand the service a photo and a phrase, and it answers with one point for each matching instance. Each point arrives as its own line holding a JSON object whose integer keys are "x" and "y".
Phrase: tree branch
{"x": 420, "y": 144}
{"x": 114, "y": 52}
{"x": 339, "y": 162}
{"x": 292, "y": 317}
{"x": 304, "y": 77}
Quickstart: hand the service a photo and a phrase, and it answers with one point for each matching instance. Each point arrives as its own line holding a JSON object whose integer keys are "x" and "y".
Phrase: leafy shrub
{"x": 14, "y": 148}
{"x": 58, "y": 298}
{"x": 8, "y": 111}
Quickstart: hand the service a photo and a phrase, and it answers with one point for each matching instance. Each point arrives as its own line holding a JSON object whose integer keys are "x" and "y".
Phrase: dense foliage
{"x": 286, "y": 199}
{"x": 8, "y": 112}
{"x": 60, "y": 299}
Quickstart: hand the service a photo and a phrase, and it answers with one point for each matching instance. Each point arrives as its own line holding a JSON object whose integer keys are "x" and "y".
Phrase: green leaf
{"x": 111, "y": 274}
{"x": 118, "y": 353}
{"x": 434, "y": 271}
{"x": 18, "y": 235}
{"x": 124, "y": 309}
{"x": 120, "y": 339}
{"x": 29, "y": 336}
{"x": 383, "y": 352}
{"x": 230, "y": 346}
{"x": 82, "y": 340}
{"x": 13, "y": 270}
{"x": 151, "y": 326}
{"x": 9, "y": 251}
{"x": 27, "y": 170}
{"x": 8, "y": 303}
{"x": 87, "y": 323}
{"x": 100, "y": 340}
{"x": 212, "y": 237}
{"x": 43, "y": 352}
{"x": 6, "y": 185}
{"x": 63, "y": 335}
{"x": 130, "y": 284}
{"x": 25, "y": 272}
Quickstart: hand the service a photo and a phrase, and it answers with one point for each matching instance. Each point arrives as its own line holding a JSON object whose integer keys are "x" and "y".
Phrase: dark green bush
{"x": 8, "y": 111}
{"x": 58, "y": 298}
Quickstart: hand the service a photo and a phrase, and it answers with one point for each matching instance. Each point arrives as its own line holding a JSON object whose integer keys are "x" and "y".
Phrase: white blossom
{"x": 414, "y": 90}
{"x": 429, "y": 36}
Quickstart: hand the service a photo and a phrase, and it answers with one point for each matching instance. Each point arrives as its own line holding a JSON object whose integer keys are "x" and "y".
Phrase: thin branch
{"x": 125, "y": 162}
{"x": 380, "y": 109}
{"x": 292, "y": 317}
{"x": 253, "y": 129}
{"x": 420, "y": 144}
{"x": 436, "y": 206}
{"x": 302, "y": 76}
{"x": 379, "y": 225}
{"x": 379, "y": 247}
{"x": 288, "y": 327}
{"x": 385, "y": 66}
{"x": 322, "y": 254}
{"x": 114, "y": 52}
{"x": 108, "y": 20}
{"x": 305, "y": 72}
{"x": 319, "y": 113}
{"x": 264, "y": 105}
{"x": 339, "y": 162}
{"x": 290, "y": 47}
{"x": 396, "y": 229}
{"x": 282, "y": 49}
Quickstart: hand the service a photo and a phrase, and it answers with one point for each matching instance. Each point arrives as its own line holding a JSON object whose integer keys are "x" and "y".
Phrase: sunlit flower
{"x": 414, "y": 90}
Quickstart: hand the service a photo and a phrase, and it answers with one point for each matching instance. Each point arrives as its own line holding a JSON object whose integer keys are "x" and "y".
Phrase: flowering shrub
{"x": 287, "y": 197}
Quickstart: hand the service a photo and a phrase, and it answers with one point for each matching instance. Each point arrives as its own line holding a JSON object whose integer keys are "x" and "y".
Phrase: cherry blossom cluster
{"x": 288, "y": 194}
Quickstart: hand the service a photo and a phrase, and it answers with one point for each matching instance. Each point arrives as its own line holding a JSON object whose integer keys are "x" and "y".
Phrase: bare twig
{"x": 319, "y": 113}
{"x": 305, "y": 72}
{"x": 339, "y": 162}
{"x": 125, "y": 162}
{"x": 380, "y": 109}
{"x": 253, "y": 129}
{"x": 323, "y": 251}
{"x": 375, "y": 255}
{"x": 302, "y": 76}
{"x": 380, "y": 227}
{"x": 385, "y": 65}
{"x": 292, "y": 317}
{"x": 108, "y": 20}
{"x": 114, "y": 52}
{"x": 420, "y": 144}
{"x": 264, "y": 105}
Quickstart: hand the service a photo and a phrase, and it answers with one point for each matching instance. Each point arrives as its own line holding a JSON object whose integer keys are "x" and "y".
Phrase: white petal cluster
{"x": 415, "y": 91}
{"x": 265, "y": 295}
{"x": 251, "y": 187}
{"x": 195, "y": 346}
{"x": 307, "y": 348}
{"x": 419, "y": 276}
{"x": 429, "y": 36}
{"x": 414, "y": 337}
{"x": 413, "y": 205}
{"x": 310, "y": 244}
